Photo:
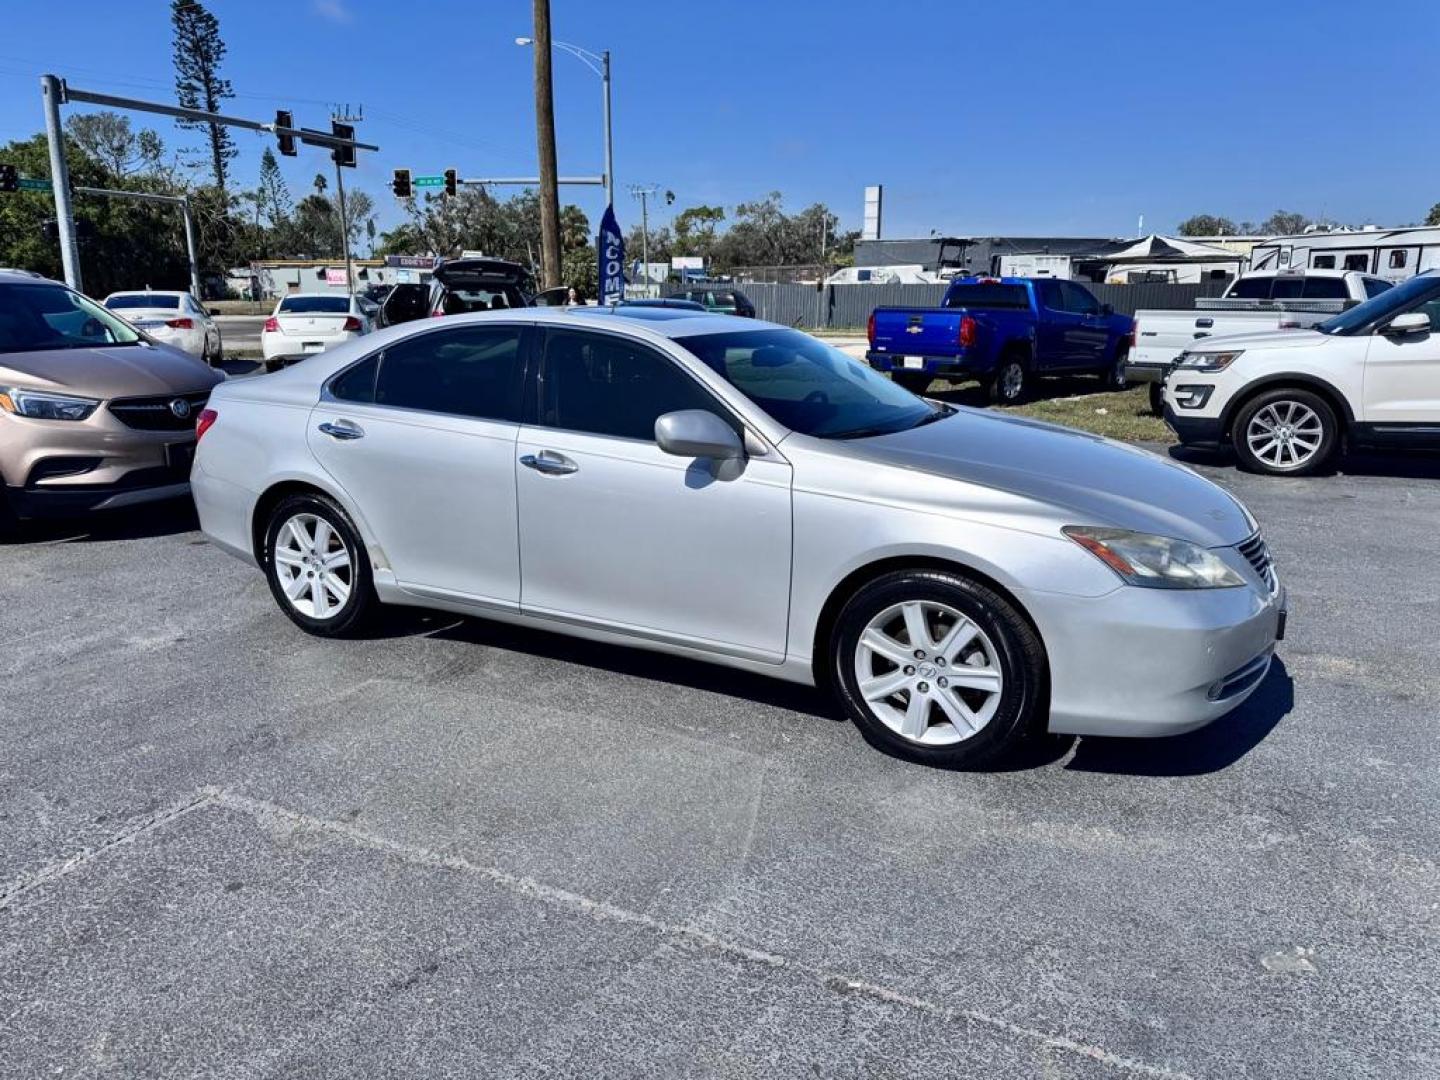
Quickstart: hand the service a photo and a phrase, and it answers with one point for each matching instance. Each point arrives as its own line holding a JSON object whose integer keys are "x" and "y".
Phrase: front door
{"x": 1090, "y": 331}
{"x": 422, "y": 437}
{"x": 1402, "y": 374}
{"x": 616, "y": 533}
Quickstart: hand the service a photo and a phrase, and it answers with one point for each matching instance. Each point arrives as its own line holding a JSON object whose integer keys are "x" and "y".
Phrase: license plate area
{"x": 180, "y": 456}
{"x": 912, "y": 361}
{"x": 313, "y": 346}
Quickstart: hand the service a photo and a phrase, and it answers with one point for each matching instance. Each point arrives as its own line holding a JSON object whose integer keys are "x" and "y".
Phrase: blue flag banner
{"x": 611, "y": 246}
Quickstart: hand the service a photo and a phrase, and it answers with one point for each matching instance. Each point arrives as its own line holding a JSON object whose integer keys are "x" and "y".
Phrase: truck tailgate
{"x": 917, "y": 331}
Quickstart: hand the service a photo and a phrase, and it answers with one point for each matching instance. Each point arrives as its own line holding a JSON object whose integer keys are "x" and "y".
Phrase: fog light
{"x": 1193, "y": 397}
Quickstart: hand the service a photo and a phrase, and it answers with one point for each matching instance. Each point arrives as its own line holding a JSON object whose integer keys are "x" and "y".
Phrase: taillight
{"x": 352, "y": 325}
{"x": 202, "y": 422}
{"x": 1134, "y": 336}
{"x": 272, "y": 325}
{"x": 180, "y": 324}
{"x": 967, "y": 331}
{"x": 437, "y": 314}
{"x": 870, "y": 328}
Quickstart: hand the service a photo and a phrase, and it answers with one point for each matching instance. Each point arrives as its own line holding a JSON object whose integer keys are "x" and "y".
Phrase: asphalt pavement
{"x": 228, "y": 849}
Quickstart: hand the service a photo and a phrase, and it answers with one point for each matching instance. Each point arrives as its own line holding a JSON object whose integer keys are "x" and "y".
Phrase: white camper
{"x": 1393, "y": 254}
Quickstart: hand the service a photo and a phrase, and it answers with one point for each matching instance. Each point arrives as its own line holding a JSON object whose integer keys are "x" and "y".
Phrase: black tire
{"x": 917, "y": 382}
{"x": 1157, "y": 398}
{"x": 216, "y": 358}
{"x": 1114, "y": 376}
{"x": 1011, "y": 384}
{"x": 1285, "y": 402}
{"x": 1020, "y": 658}
{"x": 360, "y": 606}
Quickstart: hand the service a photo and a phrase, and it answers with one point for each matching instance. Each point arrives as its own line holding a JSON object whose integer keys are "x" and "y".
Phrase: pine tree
{"x": 198, "y": 52}
{"x": 273, "y": 192}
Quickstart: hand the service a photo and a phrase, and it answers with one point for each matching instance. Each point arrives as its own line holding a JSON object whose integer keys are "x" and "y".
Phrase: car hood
{"x": 118, "y": 371}
{"x": 1093, "y": 481}
{"x": 1269, "y": 339}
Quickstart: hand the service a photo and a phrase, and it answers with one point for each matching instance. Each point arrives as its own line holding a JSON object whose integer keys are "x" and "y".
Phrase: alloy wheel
{"x": 928, "y": 673}
{"x": 313, "y": 565}
{"x": 1285, "y": 435}
{"x": 1012, "y": 381}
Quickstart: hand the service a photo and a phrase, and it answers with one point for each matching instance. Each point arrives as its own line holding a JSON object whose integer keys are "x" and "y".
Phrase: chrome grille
{"x": 1257, "y": 554}
{"x": 155, "y": 414}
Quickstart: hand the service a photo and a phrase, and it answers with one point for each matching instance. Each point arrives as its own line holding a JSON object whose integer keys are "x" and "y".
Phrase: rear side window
{"x": 357, "y": 383}
{"x": 607, "y": 385}
{"x": 470, "y": 371}
{"x": 315, "y": 305}
{"x": 1253, "y": 288}
{"x": 987, "y": 295}
{"x": 1325, "y": 288}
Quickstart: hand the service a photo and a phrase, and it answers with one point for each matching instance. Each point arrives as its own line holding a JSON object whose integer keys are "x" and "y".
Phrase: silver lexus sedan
{"x": 747, "y": 495}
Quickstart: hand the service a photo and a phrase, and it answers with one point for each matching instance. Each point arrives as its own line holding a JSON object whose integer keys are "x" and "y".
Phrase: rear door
{"x": 422, "y": 437}
{"x": 1053, "y": 326}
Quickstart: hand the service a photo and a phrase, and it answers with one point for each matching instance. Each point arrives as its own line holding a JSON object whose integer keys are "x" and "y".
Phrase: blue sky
{"x": 1071, "y": 118}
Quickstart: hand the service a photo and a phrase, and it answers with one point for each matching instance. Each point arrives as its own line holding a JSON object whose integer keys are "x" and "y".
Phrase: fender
{"x": 1313, "y": 382}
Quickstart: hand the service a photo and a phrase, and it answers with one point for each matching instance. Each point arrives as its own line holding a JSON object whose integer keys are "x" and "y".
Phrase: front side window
{"x": 1078, "y": 299}
{"x": 608, "y": 385}
{"x": 38, "y": 317}
{"x": 1417, "y": 294}
{"x": 1375, "y": 286}
{"x": 808, "y": 386}
{"x": 470, "y": 371}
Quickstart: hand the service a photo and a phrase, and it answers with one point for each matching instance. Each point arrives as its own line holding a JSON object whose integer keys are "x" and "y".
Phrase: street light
{"x": 599, "y": 63}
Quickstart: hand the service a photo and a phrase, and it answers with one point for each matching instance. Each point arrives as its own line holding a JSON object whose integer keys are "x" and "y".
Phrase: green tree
{"x": 109, "y": 139}
{"x": 1433, "y": 217}
{"x": 198, "y": 51}
{"x": 1206, "y": 225}
{"x": 695, "y": 229}
{"x": 274, "y": 202}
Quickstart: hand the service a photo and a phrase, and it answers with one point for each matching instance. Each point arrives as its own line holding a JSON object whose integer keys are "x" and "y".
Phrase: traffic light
{"x": 343, "y": 155}
{"x": 9, "y": 177}
{"x": 452, "y": 182}
{"x": 401, "y": 184}
{"x": 284, "y": 119}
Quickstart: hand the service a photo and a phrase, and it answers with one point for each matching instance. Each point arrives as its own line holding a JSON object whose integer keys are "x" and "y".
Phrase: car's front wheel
{"x": 1285, "y": 432}
{"x": 939, "y": 669}
{"x": 317, "y": 566}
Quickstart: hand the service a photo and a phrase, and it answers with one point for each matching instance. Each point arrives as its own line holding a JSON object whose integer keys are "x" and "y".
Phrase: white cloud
{"x": 334, "y": 10}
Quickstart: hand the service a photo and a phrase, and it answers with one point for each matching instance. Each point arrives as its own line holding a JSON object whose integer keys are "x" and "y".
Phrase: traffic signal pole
{"x": 53, "y": 93}
{"x": 181, "y": 201}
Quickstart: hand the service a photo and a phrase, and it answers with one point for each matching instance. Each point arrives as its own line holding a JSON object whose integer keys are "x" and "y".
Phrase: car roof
{"x": 30, "y": 277}
{"x": 148, "y": 292}
{"x": 669, "y": 322}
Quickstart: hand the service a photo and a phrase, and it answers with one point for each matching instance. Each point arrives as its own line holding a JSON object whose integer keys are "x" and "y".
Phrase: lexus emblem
{"x": 180, "y": 407}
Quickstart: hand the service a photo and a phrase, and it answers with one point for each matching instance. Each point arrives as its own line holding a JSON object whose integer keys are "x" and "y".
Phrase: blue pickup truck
{"x": 1006, "y": 332}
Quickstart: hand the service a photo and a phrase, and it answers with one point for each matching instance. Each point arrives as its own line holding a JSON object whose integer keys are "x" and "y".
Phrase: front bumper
{"x": 1147, "y": 662}
{"x": 1202, "y": 431}
{"x": 75, "y": 499}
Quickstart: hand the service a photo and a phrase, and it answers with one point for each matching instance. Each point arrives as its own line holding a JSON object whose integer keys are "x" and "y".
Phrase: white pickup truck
{"x": 1253, "y": 304}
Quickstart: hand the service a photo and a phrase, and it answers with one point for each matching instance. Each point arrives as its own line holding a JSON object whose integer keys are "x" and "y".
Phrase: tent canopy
{"x": 1169, "y": 249}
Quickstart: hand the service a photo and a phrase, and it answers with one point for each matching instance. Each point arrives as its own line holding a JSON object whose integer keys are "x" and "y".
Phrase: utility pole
{"x": 545, "y": 137}
{"x": 643, "y": 194}
{"x": 52, "y": 92}
{"x": 609, "y": 158}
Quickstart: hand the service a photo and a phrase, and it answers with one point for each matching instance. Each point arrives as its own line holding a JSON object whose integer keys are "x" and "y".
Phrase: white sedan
{"x": 303, "y": 324}
{"x": 171, "y": 318}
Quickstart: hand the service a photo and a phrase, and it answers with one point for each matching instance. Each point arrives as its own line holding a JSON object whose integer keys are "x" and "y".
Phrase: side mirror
{"x": 1412, "y": 322}
{"x": 695, "y": 433}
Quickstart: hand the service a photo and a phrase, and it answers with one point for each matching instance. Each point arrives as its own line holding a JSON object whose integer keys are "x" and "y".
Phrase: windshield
{"x": 1363, "y": 318}
{"x": 313, "y": 305}
{"x": 809, "y": 386}
{"x": 36, "y": 317}
{"x": 141, "y": 300}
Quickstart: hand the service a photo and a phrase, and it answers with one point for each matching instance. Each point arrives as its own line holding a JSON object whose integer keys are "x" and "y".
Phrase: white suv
{"x": 1287, "y": 400}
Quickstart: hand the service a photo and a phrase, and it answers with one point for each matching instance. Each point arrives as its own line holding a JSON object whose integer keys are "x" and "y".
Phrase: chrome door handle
{"x": 343, "y": 430}
{"x": 550, "y": 463}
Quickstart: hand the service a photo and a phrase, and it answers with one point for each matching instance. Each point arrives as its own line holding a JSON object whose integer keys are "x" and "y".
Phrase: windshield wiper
{"x": 871, "y": 432}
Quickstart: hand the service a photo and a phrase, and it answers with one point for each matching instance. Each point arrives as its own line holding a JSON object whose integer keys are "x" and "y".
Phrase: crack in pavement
{"x": 265, "y": 812}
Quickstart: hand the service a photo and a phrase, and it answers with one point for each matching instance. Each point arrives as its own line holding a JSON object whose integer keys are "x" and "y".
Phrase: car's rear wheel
{"x": 317, "y": 566}
{"x": 1285, "y": 432}
{"x": 917, "y": 382}
{"x": 1114, "y": 375}
{"x": 936, "y": 668}
{"x": 1012, "y": 380}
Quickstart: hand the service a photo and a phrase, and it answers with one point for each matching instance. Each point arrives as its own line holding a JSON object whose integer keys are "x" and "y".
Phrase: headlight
{"x": 1155, "y": 562}
{"x": 43, "y": 405}
{"x": 1209, "y": 361}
